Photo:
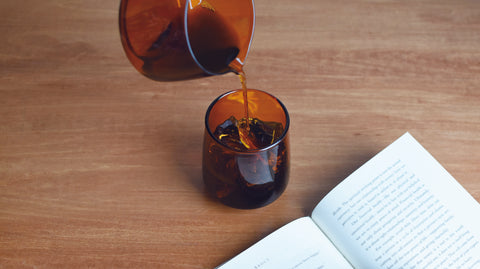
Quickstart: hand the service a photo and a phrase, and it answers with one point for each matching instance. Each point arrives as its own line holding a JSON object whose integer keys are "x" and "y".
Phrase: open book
{"x": 401, "y": 209}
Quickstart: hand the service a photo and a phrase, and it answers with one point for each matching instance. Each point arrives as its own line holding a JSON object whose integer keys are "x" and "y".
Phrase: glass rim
{"x": 248, "y": 151}
{"x": 185, "y": 25}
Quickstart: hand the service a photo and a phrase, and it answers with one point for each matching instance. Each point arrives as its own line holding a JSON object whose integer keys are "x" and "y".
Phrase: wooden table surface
{"x": 101, "y": 167}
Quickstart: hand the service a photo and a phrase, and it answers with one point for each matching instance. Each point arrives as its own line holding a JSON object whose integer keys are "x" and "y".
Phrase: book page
{"x": 297, "y": 245}
{"x": 402, "y": 209}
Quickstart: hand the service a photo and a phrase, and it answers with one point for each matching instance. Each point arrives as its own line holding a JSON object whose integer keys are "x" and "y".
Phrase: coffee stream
{"x": 250, "y": 180}
{"x": 215, "y": 44}
{"x": 244, "y": 124}
{"x": 249, "y": 132}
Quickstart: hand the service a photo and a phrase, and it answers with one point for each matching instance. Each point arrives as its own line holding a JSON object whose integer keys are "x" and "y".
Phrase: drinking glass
{"x": 169, "y": 40}
{"x": 246, "y": 178}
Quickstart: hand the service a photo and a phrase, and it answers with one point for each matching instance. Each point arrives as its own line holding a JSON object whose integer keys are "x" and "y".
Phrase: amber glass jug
{"x": 169, "y": 40}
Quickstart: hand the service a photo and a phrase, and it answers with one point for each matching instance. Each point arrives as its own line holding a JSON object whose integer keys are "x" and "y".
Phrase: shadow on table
{"x": 187, "y": 155}
{"x": 332, "y": 177}
{"x": 188, "y": 158}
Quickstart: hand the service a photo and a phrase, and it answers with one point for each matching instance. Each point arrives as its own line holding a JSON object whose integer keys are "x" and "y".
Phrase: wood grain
{"x": 101, "y": 167}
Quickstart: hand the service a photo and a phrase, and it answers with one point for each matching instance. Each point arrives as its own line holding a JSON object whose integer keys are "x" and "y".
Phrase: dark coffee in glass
{"x": 246, "y": 161}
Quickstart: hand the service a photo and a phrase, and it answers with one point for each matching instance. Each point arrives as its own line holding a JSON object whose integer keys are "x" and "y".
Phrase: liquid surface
{"x": 260, "y": 134}
{"x": 213, "y": 40}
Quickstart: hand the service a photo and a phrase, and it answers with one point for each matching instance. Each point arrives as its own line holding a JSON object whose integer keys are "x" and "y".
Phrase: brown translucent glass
{"x": 182, "y": 39}
{"x": 249, "y": 178}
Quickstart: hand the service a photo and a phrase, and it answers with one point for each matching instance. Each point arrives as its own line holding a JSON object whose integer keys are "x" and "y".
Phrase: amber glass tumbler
{"x": 249, "y": 178}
